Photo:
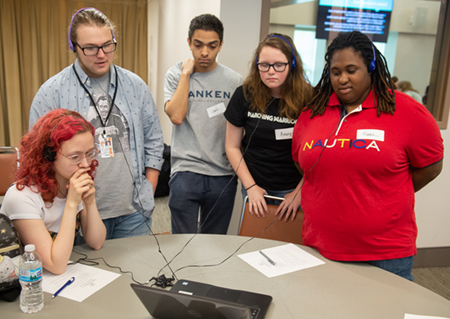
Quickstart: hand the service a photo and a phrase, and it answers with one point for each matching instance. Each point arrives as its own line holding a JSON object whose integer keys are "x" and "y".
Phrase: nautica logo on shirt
{"x": 342, "y": 143}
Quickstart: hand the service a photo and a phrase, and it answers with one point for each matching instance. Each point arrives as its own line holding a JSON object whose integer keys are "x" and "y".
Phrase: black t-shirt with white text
{"x": 268, "y": 157}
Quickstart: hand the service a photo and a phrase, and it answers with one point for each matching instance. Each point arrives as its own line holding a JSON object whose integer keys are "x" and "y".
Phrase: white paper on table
{"x": 88, "y": 280}
{"x": 288, "y": 258}
{"x": 409, "y": 316}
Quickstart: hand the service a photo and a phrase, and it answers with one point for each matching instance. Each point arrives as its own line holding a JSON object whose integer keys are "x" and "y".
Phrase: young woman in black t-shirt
{"x": 261, "y": 116}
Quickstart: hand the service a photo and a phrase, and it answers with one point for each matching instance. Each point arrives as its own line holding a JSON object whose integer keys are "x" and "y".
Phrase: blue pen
{"x": 71, "y": 280}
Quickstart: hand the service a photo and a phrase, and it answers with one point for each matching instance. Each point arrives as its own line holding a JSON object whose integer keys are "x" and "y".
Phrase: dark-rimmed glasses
{"x": 278, "y": 67}
{"x": 91, "y": 51}
{"x": 76, "y": 158}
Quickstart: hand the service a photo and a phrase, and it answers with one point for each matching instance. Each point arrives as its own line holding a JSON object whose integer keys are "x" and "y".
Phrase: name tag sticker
{"x": 284, "y": 133}
{"x": 376, "y": 135}
{"x": 216, "y": 110}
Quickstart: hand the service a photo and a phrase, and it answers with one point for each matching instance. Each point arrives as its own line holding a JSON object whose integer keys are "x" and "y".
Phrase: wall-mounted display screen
{"x": 371, "y": 17}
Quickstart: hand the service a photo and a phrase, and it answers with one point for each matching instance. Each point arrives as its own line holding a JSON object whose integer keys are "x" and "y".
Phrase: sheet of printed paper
{"x": 88, "y": 280}
{"x": 286, "y": 258}
{"x": 409, "y": 316}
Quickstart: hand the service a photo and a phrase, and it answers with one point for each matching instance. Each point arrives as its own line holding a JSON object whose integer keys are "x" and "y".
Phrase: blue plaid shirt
{"x": 135, "y": 102}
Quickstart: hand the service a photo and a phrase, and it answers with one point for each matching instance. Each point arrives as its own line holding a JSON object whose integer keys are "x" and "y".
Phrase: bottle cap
{"x": 30, "y": 248}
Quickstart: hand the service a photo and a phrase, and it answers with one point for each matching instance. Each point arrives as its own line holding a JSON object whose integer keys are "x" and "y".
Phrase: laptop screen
{"x": 165, "y": 304}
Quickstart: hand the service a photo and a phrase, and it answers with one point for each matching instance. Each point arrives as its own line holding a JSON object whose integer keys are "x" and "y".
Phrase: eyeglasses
{"x": 278, "y": 67}
{"x": 91, "y": 51}
{"x": 76, "y": 159}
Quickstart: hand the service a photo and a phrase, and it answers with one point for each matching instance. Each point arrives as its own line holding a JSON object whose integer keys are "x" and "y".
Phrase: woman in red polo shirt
{"x": 364, "y": 149}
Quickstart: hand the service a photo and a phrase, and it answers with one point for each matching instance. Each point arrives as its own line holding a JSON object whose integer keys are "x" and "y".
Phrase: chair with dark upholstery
{"x": 8, "y": 167}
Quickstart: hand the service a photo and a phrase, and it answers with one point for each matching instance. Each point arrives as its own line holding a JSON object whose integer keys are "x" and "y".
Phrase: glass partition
{"x": 417, "y": 47}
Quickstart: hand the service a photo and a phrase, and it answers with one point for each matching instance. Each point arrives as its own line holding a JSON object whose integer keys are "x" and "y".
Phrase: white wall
{"x": 414, "y": 64}
{"x": 301, "y": 13}
{"x": 242, "y": 23}
{"x": 287, "y": 29}
{"x": 416, "y": 23}
{"x": 433, "y": 205}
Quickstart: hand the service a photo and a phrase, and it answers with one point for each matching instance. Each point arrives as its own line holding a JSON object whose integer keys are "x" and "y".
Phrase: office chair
{"x": 290, "y": 231}
{"x": 8, "y": 167}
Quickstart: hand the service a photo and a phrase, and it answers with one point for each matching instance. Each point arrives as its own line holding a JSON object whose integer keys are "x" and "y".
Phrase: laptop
{"x": 190, "y": 299}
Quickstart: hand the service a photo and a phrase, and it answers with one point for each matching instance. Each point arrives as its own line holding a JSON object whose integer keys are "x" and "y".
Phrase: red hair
{"x": 50, "y": 131}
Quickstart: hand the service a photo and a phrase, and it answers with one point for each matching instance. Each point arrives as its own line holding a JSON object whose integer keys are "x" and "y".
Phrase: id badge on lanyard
{"x": 106, "y": 146}
{"x": 105, "y": 142}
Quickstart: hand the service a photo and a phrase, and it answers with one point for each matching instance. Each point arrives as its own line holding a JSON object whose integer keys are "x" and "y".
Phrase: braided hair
{"x": 382, "y": 83}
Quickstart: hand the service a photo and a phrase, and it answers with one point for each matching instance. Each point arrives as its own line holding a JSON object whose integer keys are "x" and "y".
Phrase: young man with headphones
{"x": 128, "y": 135}
{"x": 197, "y": 92}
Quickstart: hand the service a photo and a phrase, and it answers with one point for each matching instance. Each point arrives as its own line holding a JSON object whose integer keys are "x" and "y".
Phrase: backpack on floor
{"x": 10, "y": 247}
{"x": 162, "y": 189}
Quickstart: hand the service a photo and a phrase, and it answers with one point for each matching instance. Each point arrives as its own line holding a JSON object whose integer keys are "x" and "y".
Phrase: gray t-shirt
{"x": 118, "y": 166}
{"x": 198, "y": 144}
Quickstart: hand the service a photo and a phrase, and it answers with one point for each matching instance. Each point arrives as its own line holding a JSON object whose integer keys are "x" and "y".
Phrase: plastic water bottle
{"x": 30, "y": 277}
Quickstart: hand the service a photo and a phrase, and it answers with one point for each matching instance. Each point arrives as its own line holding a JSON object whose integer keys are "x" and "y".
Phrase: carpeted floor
{"x": 436, "y": 279}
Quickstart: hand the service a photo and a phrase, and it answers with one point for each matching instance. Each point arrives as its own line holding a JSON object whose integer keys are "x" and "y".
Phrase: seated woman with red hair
{"x": 54, "y": 194}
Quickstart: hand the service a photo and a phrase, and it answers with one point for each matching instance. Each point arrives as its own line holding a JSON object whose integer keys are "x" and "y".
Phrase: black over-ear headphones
{"x": 292, "y": 50}
{"x": 71, "y": 22}
{"x": 49, "y": 153}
